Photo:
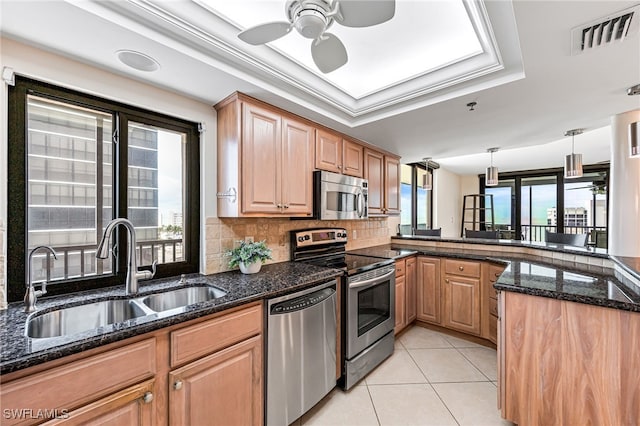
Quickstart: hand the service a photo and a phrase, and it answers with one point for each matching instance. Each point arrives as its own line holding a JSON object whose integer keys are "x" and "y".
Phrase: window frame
{"x": 558, "y": 173}
{"x": 17, "y": 178}
{"x": 414, "y": 195}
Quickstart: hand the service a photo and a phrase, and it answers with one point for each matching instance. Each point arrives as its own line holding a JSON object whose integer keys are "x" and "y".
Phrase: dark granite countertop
{"x": 19, "y": 351}
{"x": 538, "y": 276}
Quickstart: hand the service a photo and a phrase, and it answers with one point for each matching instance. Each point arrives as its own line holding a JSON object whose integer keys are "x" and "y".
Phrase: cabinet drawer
{"x": 495, "y": 272}
{"x": 462, "y": 268}
{"x": 72, "y": 385}
{"x": 201, "y": 339}
{"x": 400, "y": 268}
{"x": 493, "y": 307}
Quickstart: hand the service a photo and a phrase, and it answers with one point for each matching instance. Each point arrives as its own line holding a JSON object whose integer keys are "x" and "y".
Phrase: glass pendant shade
{"x": 427, "y": 181}
{"x": 491, "y": 176}
{"x": 573, "y": 166}
{"x": 634, "y": 131}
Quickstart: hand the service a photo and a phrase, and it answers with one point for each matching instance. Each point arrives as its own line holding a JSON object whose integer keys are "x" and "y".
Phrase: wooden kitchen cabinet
{"x": 401, "y": 322}
{"x": 563, "y": 362}
{"x": 265, "y": 160}
{"x": 461, "y": 296}
{"x": 383, "y": 175}
{"x": 411, "y": 304}
{"x": 489, "y": 301}
{"x": 428, "y": 289}
{"x": 221, "y": 389}
{"x": 337, "y": 154}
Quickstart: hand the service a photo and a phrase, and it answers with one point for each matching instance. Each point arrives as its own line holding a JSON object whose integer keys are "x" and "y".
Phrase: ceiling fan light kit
{"x": 573, "y": 161}
{"x": 312, "y": 18}
{"x": 491, "y": 177}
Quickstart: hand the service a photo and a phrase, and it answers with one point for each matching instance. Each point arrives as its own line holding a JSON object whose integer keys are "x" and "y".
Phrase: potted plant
{"x": 249, "y": 256}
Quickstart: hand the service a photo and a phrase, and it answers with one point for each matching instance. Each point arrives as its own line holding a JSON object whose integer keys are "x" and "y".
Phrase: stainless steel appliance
{"x": 368, "y": 308}
{"x": 338, "y": 197}
{"x": 301, "y": 351}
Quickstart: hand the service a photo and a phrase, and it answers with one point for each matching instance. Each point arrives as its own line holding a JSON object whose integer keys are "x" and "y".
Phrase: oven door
{"x": 370, "y": 308}
{"x": 340, "y": 201}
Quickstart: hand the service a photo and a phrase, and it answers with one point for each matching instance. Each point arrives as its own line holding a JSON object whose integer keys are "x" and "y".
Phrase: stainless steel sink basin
{"x": 182, "y": 297}
{"x": 76, "y": 319}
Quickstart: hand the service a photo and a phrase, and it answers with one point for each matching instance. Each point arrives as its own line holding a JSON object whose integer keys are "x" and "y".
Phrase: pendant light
{"x": 427, "y": 179}
{"x": 634, "y": 130}
{"x": 573, "y": 162}
{"x": 491, "y": 178}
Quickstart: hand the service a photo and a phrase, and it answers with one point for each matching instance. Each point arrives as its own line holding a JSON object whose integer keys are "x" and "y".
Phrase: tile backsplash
{"x": 222, "y": 233}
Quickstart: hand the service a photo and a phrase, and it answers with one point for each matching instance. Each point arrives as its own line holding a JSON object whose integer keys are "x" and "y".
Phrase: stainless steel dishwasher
{"x": 301, "y": 352}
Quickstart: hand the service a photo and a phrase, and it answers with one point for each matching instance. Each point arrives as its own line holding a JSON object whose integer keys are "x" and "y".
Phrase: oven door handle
{"x": 372, "y": 281}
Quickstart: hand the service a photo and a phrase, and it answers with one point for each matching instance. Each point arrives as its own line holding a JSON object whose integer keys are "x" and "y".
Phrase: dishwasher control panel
{"x": 302, "y": 302}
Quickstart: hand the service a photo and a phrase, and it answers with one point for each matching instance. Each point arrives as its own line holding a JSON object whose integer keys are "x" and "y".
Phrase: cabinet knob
{"x": 461, "y": 268}
{"x": 446, "y": 280}
{"x": 177, "y": 385}
{"x": 497, "y": 274}
{"x": 147, "y": 397}
{"x": 339, "y": 167}
{"x": 286, "y": 206}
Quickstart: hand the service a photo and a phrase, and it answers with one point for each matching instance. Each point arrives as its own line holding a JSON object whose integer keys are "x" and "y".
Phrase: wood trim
{"x": 201, "y": 339}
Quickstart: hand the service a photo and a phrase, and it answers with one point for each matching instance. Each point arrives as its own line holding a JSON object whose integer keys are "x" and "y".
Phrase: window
{"x": 416, "y": 202}
{"x": 82, "y": 161}
{"x": 527, "y": 204}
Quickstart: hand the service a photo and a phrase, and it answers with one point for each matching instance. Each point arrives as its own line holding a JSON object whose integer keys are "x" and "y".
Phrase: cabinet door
{"x": 328, "y": 151}
{"x": 391, "y": 185}
{"x": 374, "y": 173}
{"x": 400, "y": 305}
{"x": 131, "y": 406}
{"x": 352, "y": 158}
{"x": 462, "y": 304}
{"x": 428, "y": 287}
{"x": 261, "y": 160}
{"x": 224, "y": 388}
{"x": 411, "y": 290}
{"x": 297, "y": 167}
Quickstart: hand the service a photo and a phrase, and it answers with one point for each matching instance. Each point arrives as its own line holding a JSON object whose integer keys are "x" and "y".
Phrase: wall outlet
{"x": 355, "y": 234}
{"x": 248, "y": 239}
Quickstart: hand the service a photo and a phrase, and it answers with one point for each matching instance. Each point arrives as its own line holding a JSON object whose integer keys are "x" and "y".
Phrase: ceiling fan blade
{"x": 265, "y": 33}
{"x": 582, "y": 187}
{"x": 363, "y": 13}
{"x": 328, "y": 53}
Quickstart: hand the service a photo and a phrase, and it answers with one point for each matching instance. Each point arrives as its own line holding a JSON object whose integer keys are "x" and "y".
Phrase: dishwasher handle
{"x": 302, "y": 302}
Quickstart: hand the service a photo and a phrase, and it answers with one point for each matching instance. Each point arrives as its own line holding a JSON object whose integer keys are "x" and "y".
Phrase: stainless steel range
{"x": 368, "y": 295}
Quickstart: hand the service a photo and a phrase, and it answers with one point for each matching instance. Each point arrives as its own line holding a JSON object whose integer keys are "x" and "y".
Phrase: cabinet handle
{"x": 286, "y": 206}
{"x": 497, "y": 274}
{"x": 446, "y": 280}
{"x": 461, "y": 268}
{"x": 279, "y": 206}
{"x": 339, "y": 167}
{"x": 147, "y": 397}
{"x": 177, "y": 385}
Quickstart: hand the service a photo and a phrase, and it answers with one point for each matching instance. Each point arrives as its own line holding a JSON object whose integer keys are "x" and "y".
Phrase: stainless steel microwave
{"x": 338, "y": 197}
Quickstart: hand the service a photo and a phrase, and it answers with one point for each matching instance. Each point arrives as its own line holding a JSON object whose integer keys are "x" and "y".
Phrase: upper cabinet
{"x": 339, "y": 155}
{"x": 383, "y": 174}
{"x": 265, "y": 161}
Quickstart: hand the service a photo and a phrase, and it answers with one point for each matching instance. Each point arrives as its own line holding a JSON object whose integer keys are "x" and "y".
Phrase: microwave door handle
{"x": 372, "y": 281}
{"x": 359, "y": 204}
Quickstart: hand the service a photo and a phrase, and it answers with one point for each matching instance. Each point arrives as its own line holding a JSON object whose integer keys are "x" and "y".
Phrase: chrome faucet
{"x": 32, "y": 295}
{"x": 133, "y": 275}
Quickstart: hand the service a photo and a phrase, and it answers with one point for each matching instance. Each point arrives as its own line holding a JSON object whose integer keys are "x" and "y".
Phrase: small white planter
{"x": 251, "y": 268}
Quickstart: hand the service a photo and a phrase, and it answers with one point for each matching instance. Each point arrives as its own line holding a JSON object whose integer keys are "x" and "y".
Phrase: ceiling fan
{"x": 597, "y": 186}
{"x": 312, "y": 18}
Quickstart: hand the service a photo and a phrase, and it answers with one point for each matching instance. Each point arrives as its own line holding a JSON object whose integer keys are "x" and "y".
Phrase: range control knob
{"x": 301, "y": 239}
{"x": 306, "y": 238}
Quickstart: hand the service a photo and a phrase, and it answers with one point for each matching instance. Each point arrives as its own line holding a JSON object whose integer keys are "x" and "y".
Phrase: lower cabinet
{"x": 411, "y": 290}
{"x": 401, "y": 298}
{"x": 461, "y": 298}
{"x": 428, "y": 288}
{"x": 208, "y": 371}
{"x": 233, "y": 375}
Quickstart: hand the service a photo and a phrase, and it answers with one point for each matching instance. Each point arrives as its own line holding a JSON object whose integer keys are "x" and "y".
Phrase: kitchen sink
{"x": 76, "y": 319}
{"x": 182, "y": 297}
{"x": 90, "y": 316}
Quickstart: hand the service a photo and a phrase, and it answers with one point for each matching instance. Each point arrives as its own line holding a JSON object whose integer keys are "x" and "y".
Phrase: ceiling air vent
{"x": 605, "y": 31}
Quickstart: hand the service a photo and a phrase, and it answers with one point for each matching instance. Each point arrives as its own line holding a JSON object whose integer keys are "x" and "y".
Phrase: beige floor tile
{"x": 446, "y": 365}
{"x": 471, "y": 403}
{"x": 343, "y": 408}
{"x": 422, "y": 338}
{"x": 409, "y": 405}
{"x": 398, "y": 368}
{"x": 485, "y": 359}
{"x": 461, "y": 343}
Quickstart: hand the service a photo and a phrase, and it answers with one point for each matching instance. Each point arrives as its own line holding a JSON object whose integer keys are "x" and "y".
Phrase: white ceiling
{"x": 207, "y": 62}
